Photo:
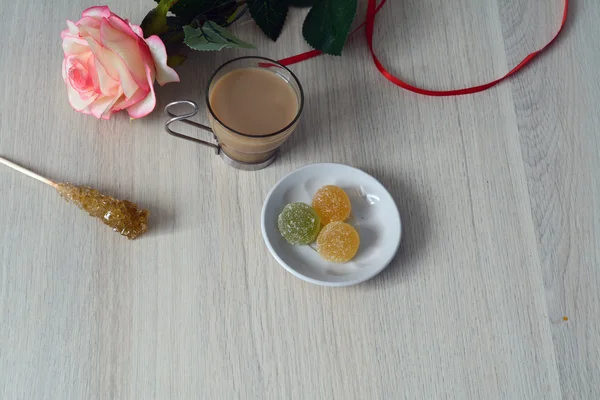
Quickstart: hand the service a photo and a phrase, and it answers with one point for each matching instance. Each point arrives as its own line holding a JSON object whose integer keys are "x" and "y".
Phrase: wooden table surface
{"x": 499, "y": 194}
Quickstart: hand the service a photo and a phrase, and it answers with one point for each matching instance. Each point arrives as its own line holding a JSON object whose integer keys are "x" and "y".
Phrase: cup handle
{"x": 184, "y": 118}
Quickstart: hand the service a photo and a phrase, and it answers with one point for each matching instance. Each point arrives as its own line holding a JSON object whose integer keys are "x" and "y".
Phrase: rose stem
{"x": 28, "y": 172}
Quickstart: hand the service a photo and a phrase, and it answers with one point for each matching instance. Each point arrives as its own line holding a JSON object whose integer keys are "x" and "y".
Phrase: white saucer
{"x": 374, "y": 215}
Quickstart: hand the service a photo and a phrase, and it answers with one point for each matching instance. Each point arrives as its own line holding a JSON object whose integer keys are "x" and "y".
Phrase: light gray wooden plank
{"x": 556, "y": 102}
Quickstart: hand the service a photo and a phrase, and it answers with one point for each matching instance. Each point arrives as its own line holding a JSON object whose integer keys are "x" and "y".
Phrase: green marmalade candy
{"x": 298, "y": 223}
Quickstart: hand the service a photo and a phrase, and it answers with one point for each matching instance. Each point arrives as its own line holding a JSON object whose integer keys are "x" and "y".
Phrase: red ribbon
{"x": 369, "y": 24}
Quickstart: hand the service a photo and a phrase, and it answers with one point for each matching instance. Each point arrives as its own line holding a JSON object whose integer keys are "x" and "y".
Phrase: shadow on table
{"x": 321, "y": 123}
{"x": 194, "y": 75}
{"x": 162, "y": 221}
{"x": 416, "y": 231}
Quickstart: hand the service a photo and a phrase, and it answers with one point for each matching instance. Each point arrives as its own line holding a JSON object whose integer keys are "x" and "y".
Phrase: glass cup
{"x": 243, "y": 151}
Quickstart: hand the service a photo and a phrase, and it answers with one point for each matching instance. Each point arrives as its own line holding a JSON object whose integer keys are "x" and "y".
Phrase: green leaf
{"x": 269, "y": 15}
{"x": 301, "y": 3}
{"x": 327, "y": 25}
{"x": 155, "y": 22}
{"x": 236, "y": 15}
{"x": 212, "y": 37}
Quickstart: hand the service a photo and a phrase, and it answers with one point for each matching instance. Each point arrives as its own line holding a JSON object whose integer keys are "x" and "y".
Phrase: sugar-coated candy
{"x": 298, "y": 223}
{"x": 338, "y": 242}
{"x": 332, "y": 204}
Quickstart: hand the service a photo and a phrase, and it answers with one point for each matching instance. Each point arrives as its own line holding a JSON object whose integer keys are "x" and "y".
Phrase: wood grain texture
{"x": 499, "y": 195}
{"x": 556, "y": 106}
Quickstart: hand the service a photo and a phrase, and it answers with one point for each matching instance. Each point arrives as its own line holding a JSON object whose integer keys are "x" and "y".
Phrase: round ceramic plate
{"x": 374, "y": 215}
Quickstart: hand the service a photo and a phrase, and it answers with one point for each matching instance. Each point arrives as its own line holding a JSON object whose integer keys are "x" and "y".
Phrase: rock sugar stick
{"x": 121, "y": 215}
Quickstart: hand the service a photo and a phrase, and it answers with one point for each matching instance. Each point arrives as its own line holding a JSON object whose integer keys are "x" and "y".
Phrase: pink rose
{"x": 109, "y": 66}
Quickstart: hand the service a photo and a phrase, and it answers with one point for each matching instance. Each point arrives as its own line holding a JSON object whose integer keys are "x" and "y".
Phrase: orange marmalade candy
{"x": 338, "y": 242}
{"x": 331, "y": 204}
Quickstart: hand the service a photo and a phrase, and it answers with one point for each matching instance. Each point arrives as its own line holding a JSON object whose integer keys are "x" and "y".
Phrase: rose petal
{"x": 137, "y": 29}
{"x": 128, "y": 84}
{"x": 73, "y": 59}
{"x": 75, "y": 74}
{"x": 144, "y": 107}
{"x": 102, "y": 106}
{"x": 71, "y": 30}
{"x": 120, "y": 25}
{"x": 99, "y": 106}
{"x": 127, "y": 48}
{"x": 93, "y": 73}
{"x": 103, "y": 56}
{"x": 79, "y": 77}
{"x": 109, "y": 110}
{"x": 97, "y": 12}
{"x": 76, "y": 101}
{"x": 107, "y": 85}
{"x": 72, "y": 45}
{"x": 115, "y": 67}
{"x": 64, "y": 70}
{"x": 125, "y": 102}
{"x": 138, "y": 35}
{"x": 89, "y": 26}
{"x": 164, "y": 73}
